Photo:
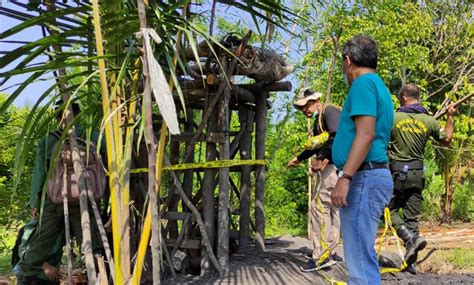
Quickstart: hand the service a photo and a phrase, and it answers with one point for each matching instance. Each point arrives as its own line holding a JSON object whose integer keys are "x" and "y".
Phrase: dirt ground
{"x": 280, "y": 264}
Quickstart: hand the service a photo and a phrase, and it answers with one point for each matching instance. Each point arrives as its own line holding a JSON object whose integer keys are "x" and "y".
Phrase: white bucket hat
{"x": 304, "y": 95}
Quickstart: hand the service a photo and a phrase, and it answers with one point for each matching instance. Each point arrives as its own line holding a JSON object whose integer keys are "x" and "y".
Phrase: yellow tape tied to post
{"x": 207, "y": 164}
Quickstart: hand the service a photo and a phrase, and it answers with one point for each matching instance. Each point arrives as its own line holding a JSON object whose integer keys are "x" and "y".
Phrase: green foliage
{"x": 461, "y": 258}
{"x": 463, "y": 204}
{"x": 13, "y": 204}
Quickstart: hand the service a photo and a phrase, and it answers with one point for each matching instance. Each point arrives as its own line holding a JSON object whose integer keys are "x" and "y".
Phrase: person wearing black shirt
{"x": 324, "y": 217}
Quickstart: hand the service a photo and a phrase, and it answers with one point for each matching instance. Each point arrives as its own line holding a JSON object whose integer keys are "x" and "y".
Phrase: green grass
{"x": 462, "y": 258}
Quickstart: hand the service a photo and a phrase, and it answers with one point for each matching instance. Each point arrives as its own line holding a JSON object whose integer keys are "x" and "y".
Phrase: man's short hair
{"x": 362, "y": 51}
{"x": 410, "y": 90}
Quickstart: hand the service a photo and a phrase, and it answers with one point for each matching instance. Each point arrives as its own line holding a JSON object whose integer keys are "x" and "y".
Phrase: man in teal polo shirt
{"x": 365, "y": 186}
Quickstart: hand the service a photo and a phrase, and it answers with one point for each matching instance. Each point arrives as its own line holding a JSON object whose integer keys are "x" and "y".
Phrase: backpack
{"x": 63, "y": 176}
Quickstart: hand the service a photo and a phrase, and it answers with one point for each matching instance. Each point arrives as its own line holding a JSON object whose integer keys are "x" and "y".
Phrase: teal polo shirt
{"x": 368, "y": 96}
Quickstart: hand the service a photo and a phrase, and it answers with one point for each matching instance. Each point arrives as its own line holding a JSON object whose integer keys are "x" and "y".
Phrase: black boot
{"x": 413, "y": 244}
{"x": 411, "y": 268}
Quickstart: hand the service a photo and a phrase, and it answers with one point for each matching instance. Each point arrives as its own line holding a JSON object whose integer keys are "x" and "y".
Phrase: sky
{"x": 29, "y": 96}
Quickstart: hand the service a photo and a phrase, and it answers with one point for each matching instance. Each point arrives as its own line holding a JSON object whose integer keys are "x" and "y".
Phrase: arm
{"x": 365, "y": 133}
{"x": 449, "y": 125}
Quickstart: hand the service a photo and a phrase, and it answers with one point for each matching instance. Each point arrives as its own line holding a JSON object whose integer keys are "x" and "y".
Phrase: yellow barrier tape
{"x": 207, "y": 164}
{"x": 327, "y": 250}
{"x": 388, "y": 225}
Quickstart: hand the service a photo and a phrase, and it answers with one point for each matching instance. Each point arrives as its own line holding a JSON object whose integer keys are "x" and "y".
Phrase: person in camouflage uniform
{"x": 413, "y": 126}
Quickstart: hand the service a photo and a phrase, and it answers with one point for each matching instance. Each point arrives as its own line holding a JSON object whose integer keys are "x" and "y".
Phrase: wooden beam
{"x": 257, "y": 88}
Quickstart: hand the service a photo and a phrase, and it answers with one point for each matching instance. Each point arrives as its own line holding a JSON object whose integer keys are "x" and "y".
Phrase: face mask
{"x": 315, "y": 114}
{"x": 344, "y": 76}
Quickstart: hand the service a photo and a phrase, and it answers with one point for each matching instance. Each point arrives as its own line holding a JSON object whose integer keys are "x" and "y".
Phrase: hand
{"x": 293, "y": 162}
{"x": 318, "y": 165}
{"x": 35, "y": 213}
{"x": 451, "y": 109}
{"x": 339, "y": 193}
{"x": 51, "y": 272}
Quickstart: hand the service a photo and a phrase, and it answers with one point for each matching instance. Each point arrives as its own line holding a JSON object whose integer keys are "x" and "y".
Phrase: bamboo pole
{"x": 110, "y": 139}
{"x": 151, "y": 146}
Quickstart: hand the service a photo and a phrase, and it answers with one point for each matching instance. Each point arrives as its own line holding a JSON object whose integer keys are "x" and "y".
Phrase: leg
{"x": 397, "y": 202}
{"x": 331, "y": 213}
{"x": 39, "y": 245}
{"x": 368, "y": 195}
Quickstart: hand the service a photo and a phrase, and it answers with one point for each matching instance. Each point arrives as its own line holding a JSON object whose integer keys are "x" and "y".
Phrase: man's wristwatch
{"x": 341, "y": 174}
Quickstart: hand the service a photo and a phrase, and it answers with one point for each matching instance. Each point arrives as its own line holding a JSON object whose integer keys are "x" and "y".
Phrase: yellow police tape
{"x": 317, "y": 180}
{"x": 388, "y": 225}
{"x": 207, "y": 164}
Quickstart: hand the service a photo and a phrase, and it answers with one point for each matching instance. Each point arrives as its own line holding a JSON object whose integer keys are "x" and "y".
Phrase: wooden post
{"x": 208, "y": 201}
{"x": 172, "y": 196}
{"x": 188, "y": 174}
{"x": 224, "y": 153}
{"x": 260, "y": 131}
{"x": 246, "y": 118}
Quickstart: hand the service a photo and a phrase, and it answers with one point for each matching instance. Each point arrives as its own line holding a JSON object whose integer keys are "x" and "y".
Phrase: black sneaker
{"x": 308, "y": 256}
{"x": 311, "y": 265}
{"x": 337, "y": 258}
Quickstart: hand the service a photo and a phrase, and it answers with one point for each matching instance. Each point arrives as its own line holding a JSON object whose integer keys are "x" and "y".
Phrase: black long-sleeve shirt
{"x": 330, "y": 122}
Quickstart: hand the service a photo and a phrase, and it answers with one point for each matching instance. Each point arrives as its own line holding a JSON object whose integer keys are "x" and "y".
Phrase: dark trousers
{"x": 407, "y": 195}
{"x": 40, "y": 246}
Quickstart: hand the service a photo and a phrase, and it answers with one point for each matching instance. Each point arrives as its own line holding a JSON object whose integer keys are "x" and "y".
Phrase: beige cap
{"x": 304, "y": 95}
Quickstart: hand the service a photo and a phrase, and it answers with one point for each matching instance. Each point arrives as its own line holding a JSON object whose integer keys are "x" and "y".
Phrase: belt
{"x": 412, "y": 165}
{"x": 372, "y": 165}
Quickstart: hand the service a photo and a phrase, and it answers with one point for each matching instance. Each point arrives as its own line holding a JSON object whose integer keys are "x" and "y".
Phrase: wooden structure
{"x": 219, "y": 123}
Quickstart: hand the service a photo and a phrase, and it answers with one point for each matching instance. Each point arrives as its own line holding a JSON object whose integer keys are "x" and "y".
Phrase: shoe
{"x": 312, "y": 266}
{"x": 308, "y": 256}
{"x": 411, "y": 269}
{"x": 337, "y": 258}
{"x": 413, "y": 243}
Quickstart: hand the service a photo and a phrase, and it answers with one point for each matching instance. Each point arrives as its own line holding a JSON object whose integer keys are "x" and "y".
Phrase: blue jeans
{"x": 369, "y": 193}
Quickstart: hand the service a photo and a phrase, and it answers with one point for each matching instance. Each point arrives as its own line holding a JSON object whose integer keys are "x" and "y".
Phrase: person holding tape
{"x": 412, "y": 128}
{"x": 324, "y": 217}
